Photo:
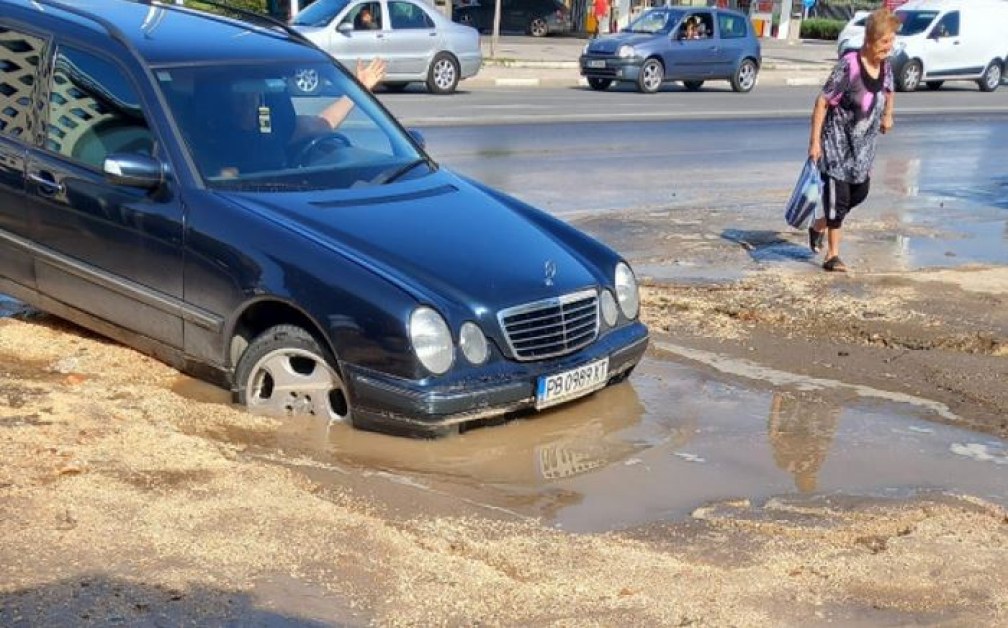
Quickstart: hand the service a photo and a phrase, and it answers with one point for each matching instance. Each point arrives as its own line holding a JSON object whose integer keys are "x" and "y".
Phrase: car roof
{"x": 165, "y": 34}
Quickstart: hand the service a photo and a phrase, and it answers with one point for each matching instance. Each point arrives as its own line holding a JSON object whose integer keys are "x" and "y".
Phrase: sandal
{"x": 815, "y": 239}
{"x": 835, "y": 264}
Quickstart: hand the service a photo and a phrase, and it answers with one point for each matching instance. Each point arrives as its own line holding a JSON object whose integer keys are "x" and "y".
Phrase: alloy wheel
{"x": 291, "y": 382}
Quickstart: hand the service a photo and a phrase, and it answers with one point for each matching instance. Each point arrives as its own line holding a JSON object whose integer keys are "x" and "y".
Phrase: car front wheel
{"x": 599, "y": 84}
{"x": 991, "y": 78}
{"x": 651, "y": 76}
{"x": 443, "y": 75}
{"x": 745, "y": 76}
{"x": 285, "y": 372}
{"x": 910, "y": 76}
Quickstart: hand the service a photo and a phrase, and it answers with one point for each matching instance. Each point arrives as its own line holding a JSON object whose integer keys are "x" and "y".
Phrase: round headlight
{"x": 626, "y": 291}
{"x": 625, "y": 51}
{"x": 473, "y": 343}
{"x": 431, "y": 338}
{"x": 609, "y": 311}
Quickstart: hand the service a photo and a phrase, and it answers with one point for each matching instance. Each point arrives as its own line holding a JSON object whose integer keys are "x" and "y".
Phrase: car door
{"x": 351, "y": 41}
{"x": 20, "y": 58}
{"x": 689, "y": 58}
{"x": 944, "y": 47}
{"x": 113, "y": 251}
{"x": 412, "y": 40}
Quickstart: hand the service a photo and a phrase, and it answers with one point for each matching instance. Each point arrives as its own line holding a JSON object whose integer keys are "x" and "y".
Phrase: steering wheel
{"x": 302, "y": 153}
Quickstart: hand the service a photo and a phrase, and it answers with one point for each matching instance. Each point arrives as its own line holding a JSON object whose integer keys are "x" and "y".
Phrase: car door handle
{"x": 47, "y": 185}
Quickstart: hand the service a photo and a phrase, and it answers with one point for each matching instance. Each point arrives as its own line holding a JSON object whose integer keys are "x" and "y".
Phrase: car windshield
{"x": 654, "y": 21}
{"x": 319, "y": 13}
{"x": 286, "y": 126}
{"x": 914, "y": 22}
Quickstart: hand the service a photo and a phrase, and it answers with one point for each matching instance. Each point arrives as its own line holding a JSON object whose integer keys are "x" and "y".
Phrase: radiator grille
{"x": 551, "y": 327}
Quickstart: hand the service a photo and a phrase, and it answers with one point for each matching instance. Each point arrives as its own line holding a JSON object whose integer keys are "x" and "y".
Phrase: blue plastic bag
{"x": 805, "y": 198}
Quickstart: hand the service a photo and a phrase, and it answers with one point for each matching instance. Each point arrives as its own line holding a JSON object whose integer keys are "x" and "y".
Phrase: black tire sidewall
{"x": 274, "y": 338}
{"x": 431, "y": 85}
{"x": 640, "y": 79}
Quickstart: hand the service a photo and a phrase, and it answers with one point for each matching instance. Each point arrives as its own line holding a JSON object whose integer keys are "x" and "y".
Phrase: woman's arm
{"x": 815, "y": 135}
{"x": 887, "y": 119}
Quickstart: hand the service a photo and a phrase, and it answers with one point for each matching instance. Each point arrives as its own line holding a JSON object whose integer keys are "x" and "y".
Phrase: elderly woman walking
{"x": 855, "y": 105}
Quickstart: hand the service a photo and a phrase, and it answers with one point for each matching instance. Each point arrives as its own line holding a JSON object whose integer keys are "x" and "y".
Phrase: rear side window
{"x": 407, "y": 15}
{"x": 93, "y": 110}
{"x": 731, "y": 26}
{"x": 20, "y": 56}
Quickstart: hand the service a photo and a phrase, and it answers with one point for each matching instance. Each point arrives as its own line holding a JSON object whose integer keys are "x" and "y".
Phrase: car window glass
{"x": 93, "y": 110}
{"x": 263, "y": 127}
{"x": 697, "y": 26}
{"x": 365, "y": 16}
{"x": 19, "y": 59}
{"x": 408, "y": 15}
{"x": 731, "y": 26}
{"x": 948, "y": 26}
{"x": 654, "y": 21}
{"x": 319, "y": 13}
{"x": 914, "y": 22}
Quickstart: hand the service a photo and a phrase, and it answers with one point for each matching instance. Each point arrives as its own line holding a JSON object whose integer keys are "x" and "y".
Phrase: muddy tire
{"x": 991, "y": 78}
{"x": 692, "y": 85}
{"x": 744, "y": 78}
{"x": 599, "y": 84}
{"x": 934, "y": 85}
{"x": 443, "y": 75}
{"x": 651, "y": 76}
{"x": 909, "y": 78}
{"x": 286, "y": 373}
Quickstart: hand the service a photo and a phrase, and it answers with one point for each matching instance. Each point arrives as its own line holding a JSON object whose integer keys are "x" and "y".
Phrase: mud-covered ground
{"x": 122, "y": 502}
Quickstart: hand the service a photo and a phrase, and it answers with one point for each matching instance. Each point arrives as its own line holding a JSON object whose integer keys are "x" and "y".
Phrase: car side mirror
{"x": 418, "y": 137}
{"x": 344, "y": 27}
{"x": 134, "y": 170}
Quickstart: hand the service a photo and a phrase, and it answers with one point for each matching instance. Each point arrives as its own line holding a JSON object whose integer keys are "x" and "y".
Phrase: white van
{"x": 943, "y": 40}
{"x": 940, "y": 40}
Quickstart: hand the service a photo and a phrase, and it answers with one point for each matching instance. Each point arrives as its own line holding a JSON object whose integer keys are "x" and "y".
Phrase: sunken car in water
{"x": 179, "y": 193}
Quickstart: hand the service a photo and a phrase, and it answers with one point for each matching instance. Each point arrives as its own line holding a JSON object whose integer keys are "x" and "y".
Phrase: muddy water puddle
{"x": 682, "y": 432}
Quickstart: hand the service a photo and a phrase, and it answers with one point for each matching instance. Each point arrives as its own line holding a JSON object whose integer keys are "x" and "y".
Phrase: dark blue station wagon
{"x": 164, "y": 183}
{"x": 692, "y": 45}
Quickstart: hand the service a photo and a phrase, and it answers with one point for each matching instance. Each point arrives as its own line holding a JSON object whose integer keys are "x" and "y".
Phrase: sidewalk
{"x": 553, "y": 62}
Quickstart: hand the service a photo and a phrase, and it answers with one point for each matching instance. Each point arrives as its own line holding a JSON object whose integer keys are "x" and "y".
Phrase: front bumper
{"x": 390, "y": 403}
{"x": 612, "y": 68}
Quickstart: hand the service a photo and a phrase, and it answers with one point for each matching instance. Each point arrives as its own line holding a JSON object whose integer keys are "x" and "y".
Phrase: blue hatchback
{"x": 178, "y": 192}
{"x": 676, "y": 44}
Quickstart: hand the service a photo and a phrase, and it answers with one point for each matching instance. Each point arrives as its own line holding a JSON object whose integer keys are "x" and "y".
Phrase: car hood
{"x": 438, "y": 237}
{"x": 611, "y": 43}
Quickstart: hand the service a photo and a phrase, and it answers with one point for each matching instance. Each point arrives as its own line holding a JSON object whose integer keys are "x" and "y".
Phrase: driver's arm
{"x": 333, "y": 115}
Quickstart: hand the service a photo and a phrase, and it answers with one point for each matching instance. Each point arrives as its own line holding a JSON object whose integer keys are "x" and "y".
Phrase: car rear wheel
{"x": 538, "y": 27}
{"x": 934, "y": 85}
{"x": 991, "y": 78}
{"x": 443, "y": 75}
{"x": 599, "y": 84}
{"x": 692, "y": 85}
{"x": 652, "y": 73}
{"x": 285, "y": 372}
{"x": 745, "y": 76}
{"x": 909, "y": 78}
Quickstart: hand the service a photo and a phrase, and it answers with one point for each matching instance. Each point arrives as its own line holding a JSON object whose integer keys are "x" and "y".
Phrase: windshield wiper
{"x": 398, "y": 172}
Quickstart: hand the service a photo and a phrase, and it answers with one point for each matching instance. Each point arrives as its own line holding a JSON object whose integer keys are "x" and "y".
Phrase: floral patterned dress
{"x": 853, "y": 118}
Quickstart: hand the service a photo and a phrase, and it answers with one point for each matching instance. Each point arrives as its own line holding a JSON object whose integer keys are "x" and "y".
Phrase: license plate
{"x": 596, "y": 63}
{"x": 577, "y": 382}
